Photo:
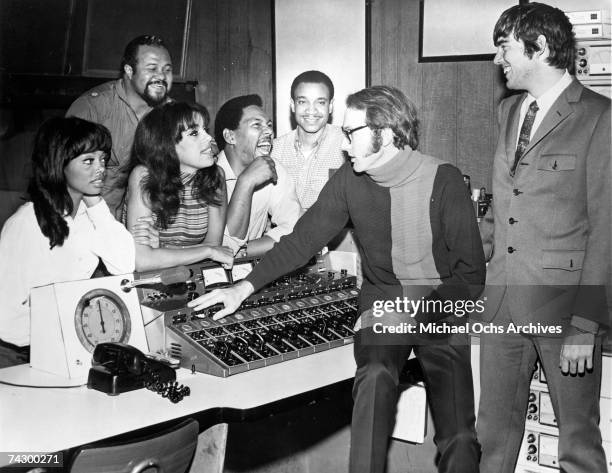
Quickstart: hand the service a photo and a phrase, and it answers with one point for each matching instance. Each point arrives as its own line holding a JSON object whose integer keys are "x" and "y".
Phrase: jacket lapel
{"x": 559, "y": 111}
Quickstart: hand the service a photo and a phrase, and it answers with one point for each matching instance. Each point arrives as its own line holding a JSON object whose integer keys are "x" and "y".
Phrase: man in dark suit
{"x": 551, "y": 244}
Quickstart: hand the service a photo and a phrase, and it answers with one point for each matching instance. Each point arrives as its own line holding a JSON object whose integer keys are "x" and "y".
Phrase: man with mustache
{"x": 258, "y": 186}
{"x": 146, "y": 79}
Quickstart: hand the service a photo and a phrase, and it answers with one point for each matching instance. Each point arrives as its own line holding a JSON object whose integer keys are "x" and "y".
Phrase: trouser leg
{"x": 448, "y": 380}
{"x": 375, "y": 394}
{"x": 11, "y": 355}
{"x": 506, "y": 368}
{"x": 575, "y": 400}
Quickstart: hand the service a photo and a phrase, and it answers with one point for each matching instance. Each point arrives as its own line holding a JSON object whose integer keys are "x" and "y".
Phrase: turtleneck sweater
{"x": 415, "y": 225}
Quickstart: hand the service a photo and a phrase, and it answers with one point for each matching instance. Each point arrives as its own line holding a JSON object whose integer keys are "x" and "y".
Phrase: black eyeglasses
{"x": 348, "y": 133}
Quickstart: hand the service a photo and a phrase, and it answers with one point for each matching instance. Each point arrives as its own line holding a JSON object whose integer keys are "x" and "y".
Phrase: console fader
{"x": 299, "y": 314}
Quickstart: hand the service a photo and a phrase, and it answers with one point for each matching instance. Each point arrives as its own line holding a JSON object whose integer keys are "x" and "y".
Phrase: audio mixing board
{"x": 299, "y": 314}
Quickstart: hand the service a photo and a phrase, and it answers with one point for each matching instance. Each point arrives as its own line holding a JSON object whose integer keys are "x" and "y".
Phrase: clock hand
{"x": 101, "y": 319}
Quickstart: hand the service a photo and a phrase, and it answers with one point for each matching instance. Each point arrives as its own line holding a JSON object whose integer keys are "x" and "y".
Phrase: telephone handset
{"x": 119, "y": 358}
{"x": 118, "y": 368}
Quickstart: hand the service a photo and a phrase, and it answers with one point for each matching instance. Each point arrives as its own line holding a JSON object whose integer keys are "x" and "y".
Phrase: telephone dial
{"x": 118, "y": 368}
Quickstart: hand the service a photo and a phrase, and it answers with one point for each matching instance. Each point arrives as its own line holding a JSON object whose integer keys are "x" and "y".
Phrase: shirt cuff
{"x": 584, "y": 325}
{"x": 276, "y": 233}
{"x": 233, "y": 242}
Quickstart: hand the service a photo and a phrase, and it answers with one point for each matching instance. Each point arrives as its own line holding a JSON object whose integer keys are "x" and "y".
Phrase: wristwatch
{"x": 242, "y": 252}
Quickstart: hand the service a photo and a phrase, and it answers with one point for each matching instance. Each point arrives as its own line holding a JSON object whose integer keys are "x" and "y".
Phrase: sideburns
{"x": 376, "y": 140}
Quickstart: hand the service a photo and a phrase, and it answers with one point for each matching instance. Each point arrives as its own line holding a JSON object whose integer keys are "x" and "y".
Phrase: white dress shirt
{"x": 545, "y": 101}
{"x": 26, "y": 260}
{"x": 279, "y": 201}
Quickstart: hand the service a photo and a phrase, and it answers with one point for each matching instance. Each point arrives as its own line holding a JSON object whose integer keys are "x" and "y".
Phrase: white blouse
{"x": 26, "y": 260}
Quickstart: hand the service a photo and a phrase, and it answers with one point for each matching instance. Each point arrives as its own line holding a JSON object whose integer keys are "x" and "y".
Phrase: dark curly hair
{"x": 527, "y": 22}
{"x": 230, "y": 114}
{"x": 59, "y": 141}
{"x": 154, "y": 147}
{"x": 313, "y": 77}
{"x": 130, "y": 54}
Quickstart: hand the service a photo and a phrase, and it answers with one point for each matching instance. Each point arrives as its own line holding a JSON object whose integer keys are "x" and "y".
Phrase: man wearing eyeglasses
{"x": 419, "y": 241}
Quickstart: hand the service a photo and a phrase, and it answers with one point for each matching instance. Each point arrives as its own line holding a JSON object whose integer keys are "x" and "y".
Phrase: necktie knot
{"x": 533, "y": 107}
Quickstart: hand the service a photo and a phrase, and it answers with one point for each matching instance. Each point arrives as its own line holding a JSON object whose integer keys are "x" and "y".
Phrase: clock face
{"x": 101, "y": 316}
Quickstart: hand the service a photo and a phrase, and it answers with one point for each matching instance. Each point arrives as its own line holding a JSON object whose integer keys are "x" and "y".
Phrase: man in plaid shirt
{"x": 311, "y": 152}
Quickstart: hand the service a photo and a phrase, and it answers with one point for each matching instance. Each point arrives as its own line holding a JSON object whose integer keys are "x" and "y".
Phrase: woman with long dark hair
{"x": 65, "y": 229}
{"x": 175, "y": 187}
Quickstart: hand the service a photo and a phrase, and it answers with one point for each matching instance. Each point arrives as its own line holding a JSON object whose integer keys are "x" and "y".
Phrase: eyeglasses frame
{"x": 348, "y": 133}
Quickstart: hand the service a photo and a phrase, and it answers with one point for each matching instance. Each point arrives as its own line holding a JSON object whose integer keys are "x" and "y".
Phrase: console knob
{"x": 582, "y": 62}
{"x": 530, "y": 438}
{"x": 532, "y": 449}
{"x": 532, "y": 408}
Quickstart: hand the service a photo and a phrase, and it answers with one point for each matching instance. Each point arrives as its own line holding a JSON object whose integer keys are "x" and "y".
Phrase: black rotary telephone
{"x": 118, "y": 368}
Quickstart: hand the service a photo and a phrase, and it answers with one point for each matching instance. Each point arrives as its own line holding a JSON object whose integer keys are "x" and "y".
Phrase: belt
{"x": 25, "y": 350}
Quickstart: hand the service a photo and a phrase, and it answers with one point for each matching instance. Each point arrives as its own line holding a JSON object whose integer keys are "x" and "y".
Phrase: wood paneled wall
{"x": 231, "y": 51}
{"x": 457, "y": 101}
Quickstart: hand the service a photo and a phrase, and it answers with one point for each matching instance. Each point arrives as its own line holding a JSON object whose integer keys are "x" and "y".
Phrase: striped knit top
{"x": 190, "y": 224}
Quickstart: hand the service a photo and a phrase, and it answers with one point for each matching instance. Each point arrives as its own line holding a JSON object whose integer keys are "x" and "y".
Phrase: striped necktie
{"x": 524, "y": 135}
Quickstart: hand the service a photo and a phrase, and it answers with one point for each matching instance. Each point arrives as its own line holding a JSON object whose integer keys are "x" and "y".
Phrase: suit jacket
{"x": 551, "y": 225}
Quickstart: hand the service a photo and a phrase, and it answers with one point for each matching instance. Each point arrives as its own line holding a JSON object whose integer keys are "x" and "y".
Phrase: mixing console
{"x": 299, "y": 314}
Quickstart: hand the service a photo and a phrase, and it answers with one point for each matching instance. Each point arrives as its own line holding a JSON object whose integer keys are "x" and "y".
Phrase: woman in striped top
{"x": 176, "y": 193}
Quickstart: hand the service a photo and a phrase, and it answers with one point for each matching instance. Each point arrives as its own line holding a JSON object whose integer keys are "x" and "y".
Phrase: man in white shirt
{"x": 312, "y": 151}
{"x": 258, "y": 186}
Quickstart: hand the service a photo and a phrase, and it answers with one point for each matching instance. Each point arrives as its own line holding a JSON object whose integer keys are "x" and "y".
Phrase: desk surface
{"x": 54, "y": 419}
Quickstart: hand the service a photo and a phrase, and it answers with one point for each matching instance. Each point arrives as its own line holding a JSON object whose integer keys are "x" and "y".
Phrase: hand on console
{"x": 230, "y": 297}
